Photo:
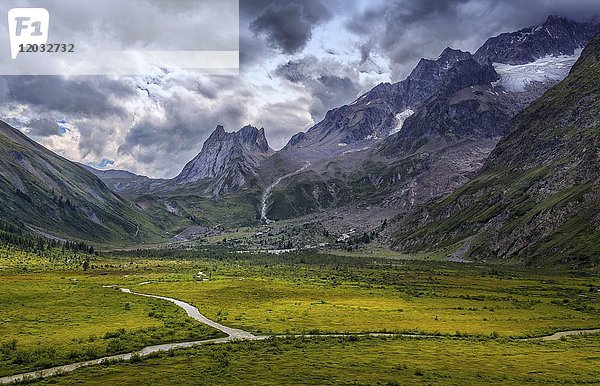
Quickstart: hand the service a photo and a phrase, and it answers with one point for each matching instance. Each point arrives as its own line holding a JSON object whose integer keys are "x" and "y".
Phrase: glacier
{"x": 400, "y": 118}
{"x": 515, "y": 78}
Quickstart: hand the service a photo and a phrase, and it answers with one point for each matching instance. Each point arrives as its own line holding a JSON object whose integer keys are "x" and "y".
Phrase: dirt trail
{"x": 233, "y": 335}
{"x": 563, "y": 334}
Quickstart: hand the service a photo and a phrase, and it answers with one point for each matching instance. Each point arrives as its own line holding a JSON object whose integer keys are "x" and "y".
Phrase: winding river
{"x": 232, "y": 335}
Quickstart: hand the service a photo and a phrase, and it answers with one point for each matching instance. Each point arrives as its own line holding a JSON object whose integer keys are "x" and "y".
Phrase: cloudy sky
{"x": 299, "y": 58}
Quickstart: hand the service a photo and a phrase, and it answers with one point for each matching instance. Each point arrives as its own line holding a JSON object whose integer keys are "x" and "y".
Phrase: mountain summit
{"x": 221, "y": 150}
{"x": 226, "y": 160}
{"x": 557, "y": 36}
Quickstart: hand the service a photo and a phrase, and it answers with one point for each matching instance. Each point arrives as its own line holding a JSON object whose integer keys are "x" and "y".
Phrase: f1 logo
{"x": 27, "y": 26}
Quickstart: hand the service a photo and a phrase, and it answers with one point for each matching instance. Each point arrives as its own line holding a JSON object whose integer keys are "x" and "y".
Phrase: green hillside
{"x": 49, "y": 195}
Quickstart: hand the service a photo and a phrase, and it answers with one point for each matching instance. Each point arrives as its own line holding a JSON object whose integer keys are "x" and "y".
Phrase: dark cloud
{"x": 330, "y": 91}
{"x": 252, "y": 50}
{"x": 43, "y": 127}
{"x": 84, "y": 96}
{"x": 288, "y": 25}
{"x": 329, "y": 83}
{"x": 416, "y": 11}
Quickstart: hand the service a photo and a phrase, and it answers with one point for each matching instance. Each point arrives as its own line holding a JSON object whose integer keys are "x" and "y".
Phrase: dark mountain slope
{"x": 451, "y": 116}
{"x": 537, "y": 197}
{"x": 44, "y": 192}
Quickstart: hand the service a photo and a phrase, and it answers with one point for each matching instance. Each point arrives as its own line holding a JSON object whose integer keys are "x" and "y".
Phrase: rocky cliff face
{"x": 381, "y": 111}
{"x": 464, "y": 106}
{"x": 557, "y": 36}
{"x": 221, "y": 150}
{"x": 536, "y": 198}
{"x": 226, "y": 160}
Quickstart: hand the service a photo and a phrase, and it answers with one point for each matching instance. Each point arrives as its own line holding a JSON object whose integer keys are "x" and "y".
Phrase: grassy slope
{"x": 36, "y": 183}
{"x": 537, "y": 197}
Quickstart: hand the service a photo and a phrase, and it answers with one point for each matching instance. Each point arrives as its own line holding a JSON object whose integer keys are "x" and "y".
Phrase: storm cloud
{"x": 329, "y": 83}
{"x": 89, "y": 96}
{"x": 288, "y": 26}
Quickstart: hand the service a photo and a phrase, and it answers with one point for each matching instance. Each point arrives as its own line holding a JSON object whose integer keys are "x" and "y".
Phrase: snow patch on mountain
{"x": 400, "y": 119}
{"x": 515, "y": 78}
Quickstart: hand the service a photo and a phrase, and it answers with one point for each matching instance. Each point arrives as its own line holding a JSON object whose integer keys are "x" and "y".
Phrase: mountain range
{"x": 394, "y": 152}
{"x": 40, "y": 190}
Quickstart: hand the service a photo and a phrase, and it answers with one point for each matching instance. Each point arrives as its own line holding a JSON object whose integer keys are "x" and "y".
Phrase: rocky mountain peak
{"x": 451, "y": 55}
{"x": 555, "y": 37}
{"x": 251, "y": 136}
{"x": 222, "y": 150}
{"x": 218, "y": 135}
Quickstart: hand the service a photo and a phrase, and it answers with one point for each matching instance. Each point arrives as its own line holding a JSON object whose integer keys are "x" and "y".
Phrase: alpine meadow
{"x": 386, "y": 217}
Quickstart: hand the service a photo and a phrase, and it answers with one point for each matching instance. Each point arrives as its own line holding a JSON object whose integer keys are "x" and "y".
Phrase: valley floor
{"x": 473, "y": 320}
{"x": 360, "y": 360}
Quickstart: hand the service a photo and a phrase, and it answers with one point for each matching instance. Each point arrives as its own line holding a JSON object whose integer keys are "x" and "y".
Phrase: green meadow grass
{"x": 359, "y": 361}
{"x": 55, "y": 313}
{"x": 57, "y": 318}
{"x": 277, "y": 299}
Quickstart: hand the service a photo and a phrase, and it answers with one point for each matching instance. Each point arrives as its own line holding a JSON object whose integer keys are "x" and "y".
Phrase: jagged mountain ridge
{"x": 536, "y": 198}
{"x": 375, "y": 114}
{"x": 555, "y": 37}
{"x": 231, "y": 154}
{"x": 440, "y": 117}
